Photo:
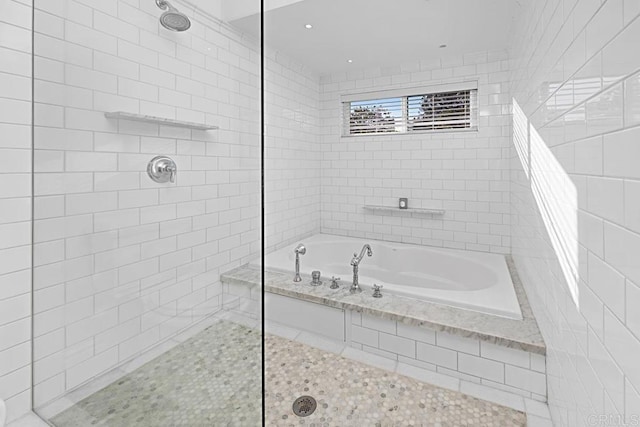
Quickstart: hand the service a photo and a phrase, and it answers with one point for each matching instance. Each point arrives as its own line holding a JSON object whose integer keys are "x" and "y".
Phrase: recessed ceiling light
{"x": 350, "y": 61}
{"x": 308, "y": 26}
{"x": 442, "y": 46}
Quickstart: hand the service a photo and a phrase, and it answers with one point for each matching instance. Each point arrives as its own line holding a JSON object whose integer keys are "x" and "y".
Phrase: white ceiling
{"x": 381, "y": 32}
{"x": 230, "y": 10}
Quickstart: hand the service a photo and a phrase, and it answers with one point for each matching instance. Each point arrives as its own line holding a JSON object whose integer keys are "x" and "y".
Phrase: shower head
{"x": 172, "y": 19}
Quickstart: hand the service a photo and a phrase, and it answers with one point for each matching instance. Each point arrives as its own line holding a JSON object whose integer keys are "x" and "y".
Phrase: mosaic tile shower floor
{"x": 213, "y": 379}
{"x": 207, "y": 380}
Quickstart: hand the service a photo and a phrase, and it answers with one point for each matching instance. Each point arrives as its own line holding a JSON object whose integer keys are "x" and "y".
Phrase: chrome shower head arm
{"x": 165, "y": 5}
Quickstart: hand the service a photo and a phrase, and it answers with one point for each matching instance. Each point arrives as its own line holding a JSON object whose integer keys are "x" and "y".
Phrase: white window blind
{"x": 439, "y": 111}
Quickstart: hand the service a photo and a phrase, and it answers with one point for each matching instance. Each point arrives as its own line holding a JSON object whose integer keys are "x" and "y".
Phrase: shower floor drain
{"x": 304, "y": 406}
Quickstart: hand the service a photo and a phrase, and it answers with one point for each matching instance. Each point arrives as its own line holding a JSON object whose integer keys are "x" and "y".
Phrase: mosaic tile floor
{"x": 350, "y": 393}
{"x": 214, "y": 380}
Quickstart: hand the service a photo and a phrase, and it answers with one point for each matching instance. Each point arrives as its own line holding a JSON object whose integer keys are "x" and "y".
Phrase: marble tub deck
{"x": 519, "y": 334}
{"x": 214, "y": 379}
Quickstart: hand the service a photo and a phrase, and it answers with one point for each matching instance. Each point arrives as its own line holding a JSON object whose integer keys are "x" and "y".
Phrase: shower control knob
{"x": 162, "y": 169}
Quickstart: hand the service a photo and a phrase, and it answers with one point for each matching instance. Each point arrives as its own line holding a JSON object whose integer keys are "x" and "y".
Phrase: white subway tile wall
{"x": 122, "y": 263}
{"x": 464, "y": 173}
{"x": 511, "y": 370}
{"x": 574, "y": 229}
{"x": 15, "y": 206}
{"x": 292, "y": 151}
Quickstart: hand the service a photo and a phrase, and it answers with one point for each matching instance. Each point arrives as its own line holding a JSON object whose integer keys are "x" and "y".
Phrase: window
{"x": 443, "y": 108}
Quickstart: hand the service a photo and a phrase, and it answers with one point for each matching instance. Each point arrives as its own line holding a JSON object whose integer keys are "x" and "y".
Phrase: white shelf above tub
{"x": 422, "y": 211}
{"x": 158, "y": 120}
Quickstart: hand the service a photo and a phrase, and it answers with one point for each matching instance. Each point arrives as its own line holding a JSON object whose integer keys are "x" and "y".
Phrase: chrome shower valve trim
{"x": 162, "y": 169}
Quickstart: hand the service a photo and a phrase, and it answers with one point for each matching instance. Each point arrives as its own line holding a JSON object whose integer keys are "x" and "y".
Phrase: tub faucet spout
{"x": 355, "y": 263}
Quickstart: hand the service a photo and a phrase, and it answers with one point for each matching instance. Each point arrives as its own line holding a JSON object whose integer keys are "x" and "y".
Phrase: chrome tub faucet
{"x": 299, "y": 250}
{"x": 355, "y": 262}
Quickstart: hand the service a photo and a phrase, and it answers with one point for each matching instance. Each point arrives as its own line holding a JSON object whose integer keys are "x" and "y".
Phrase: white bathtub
{"x": 464, "y": 279}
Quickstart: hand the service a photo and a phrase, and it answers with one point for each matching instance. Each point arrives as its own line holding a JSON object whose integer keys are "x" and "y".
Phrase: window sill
{"x": 424, "y": 132}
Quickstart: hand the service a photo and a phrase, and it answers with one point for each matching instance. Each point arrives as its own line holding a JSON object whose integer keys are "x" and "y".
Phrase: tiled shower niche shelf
{"x": 421, "y": 211}
{"x": 158, "y": 120}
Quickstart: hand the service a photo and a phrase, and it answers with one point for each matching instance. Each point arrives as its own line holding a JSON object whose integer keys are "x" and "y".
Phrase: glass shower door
{"x": 146, "y": 193}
